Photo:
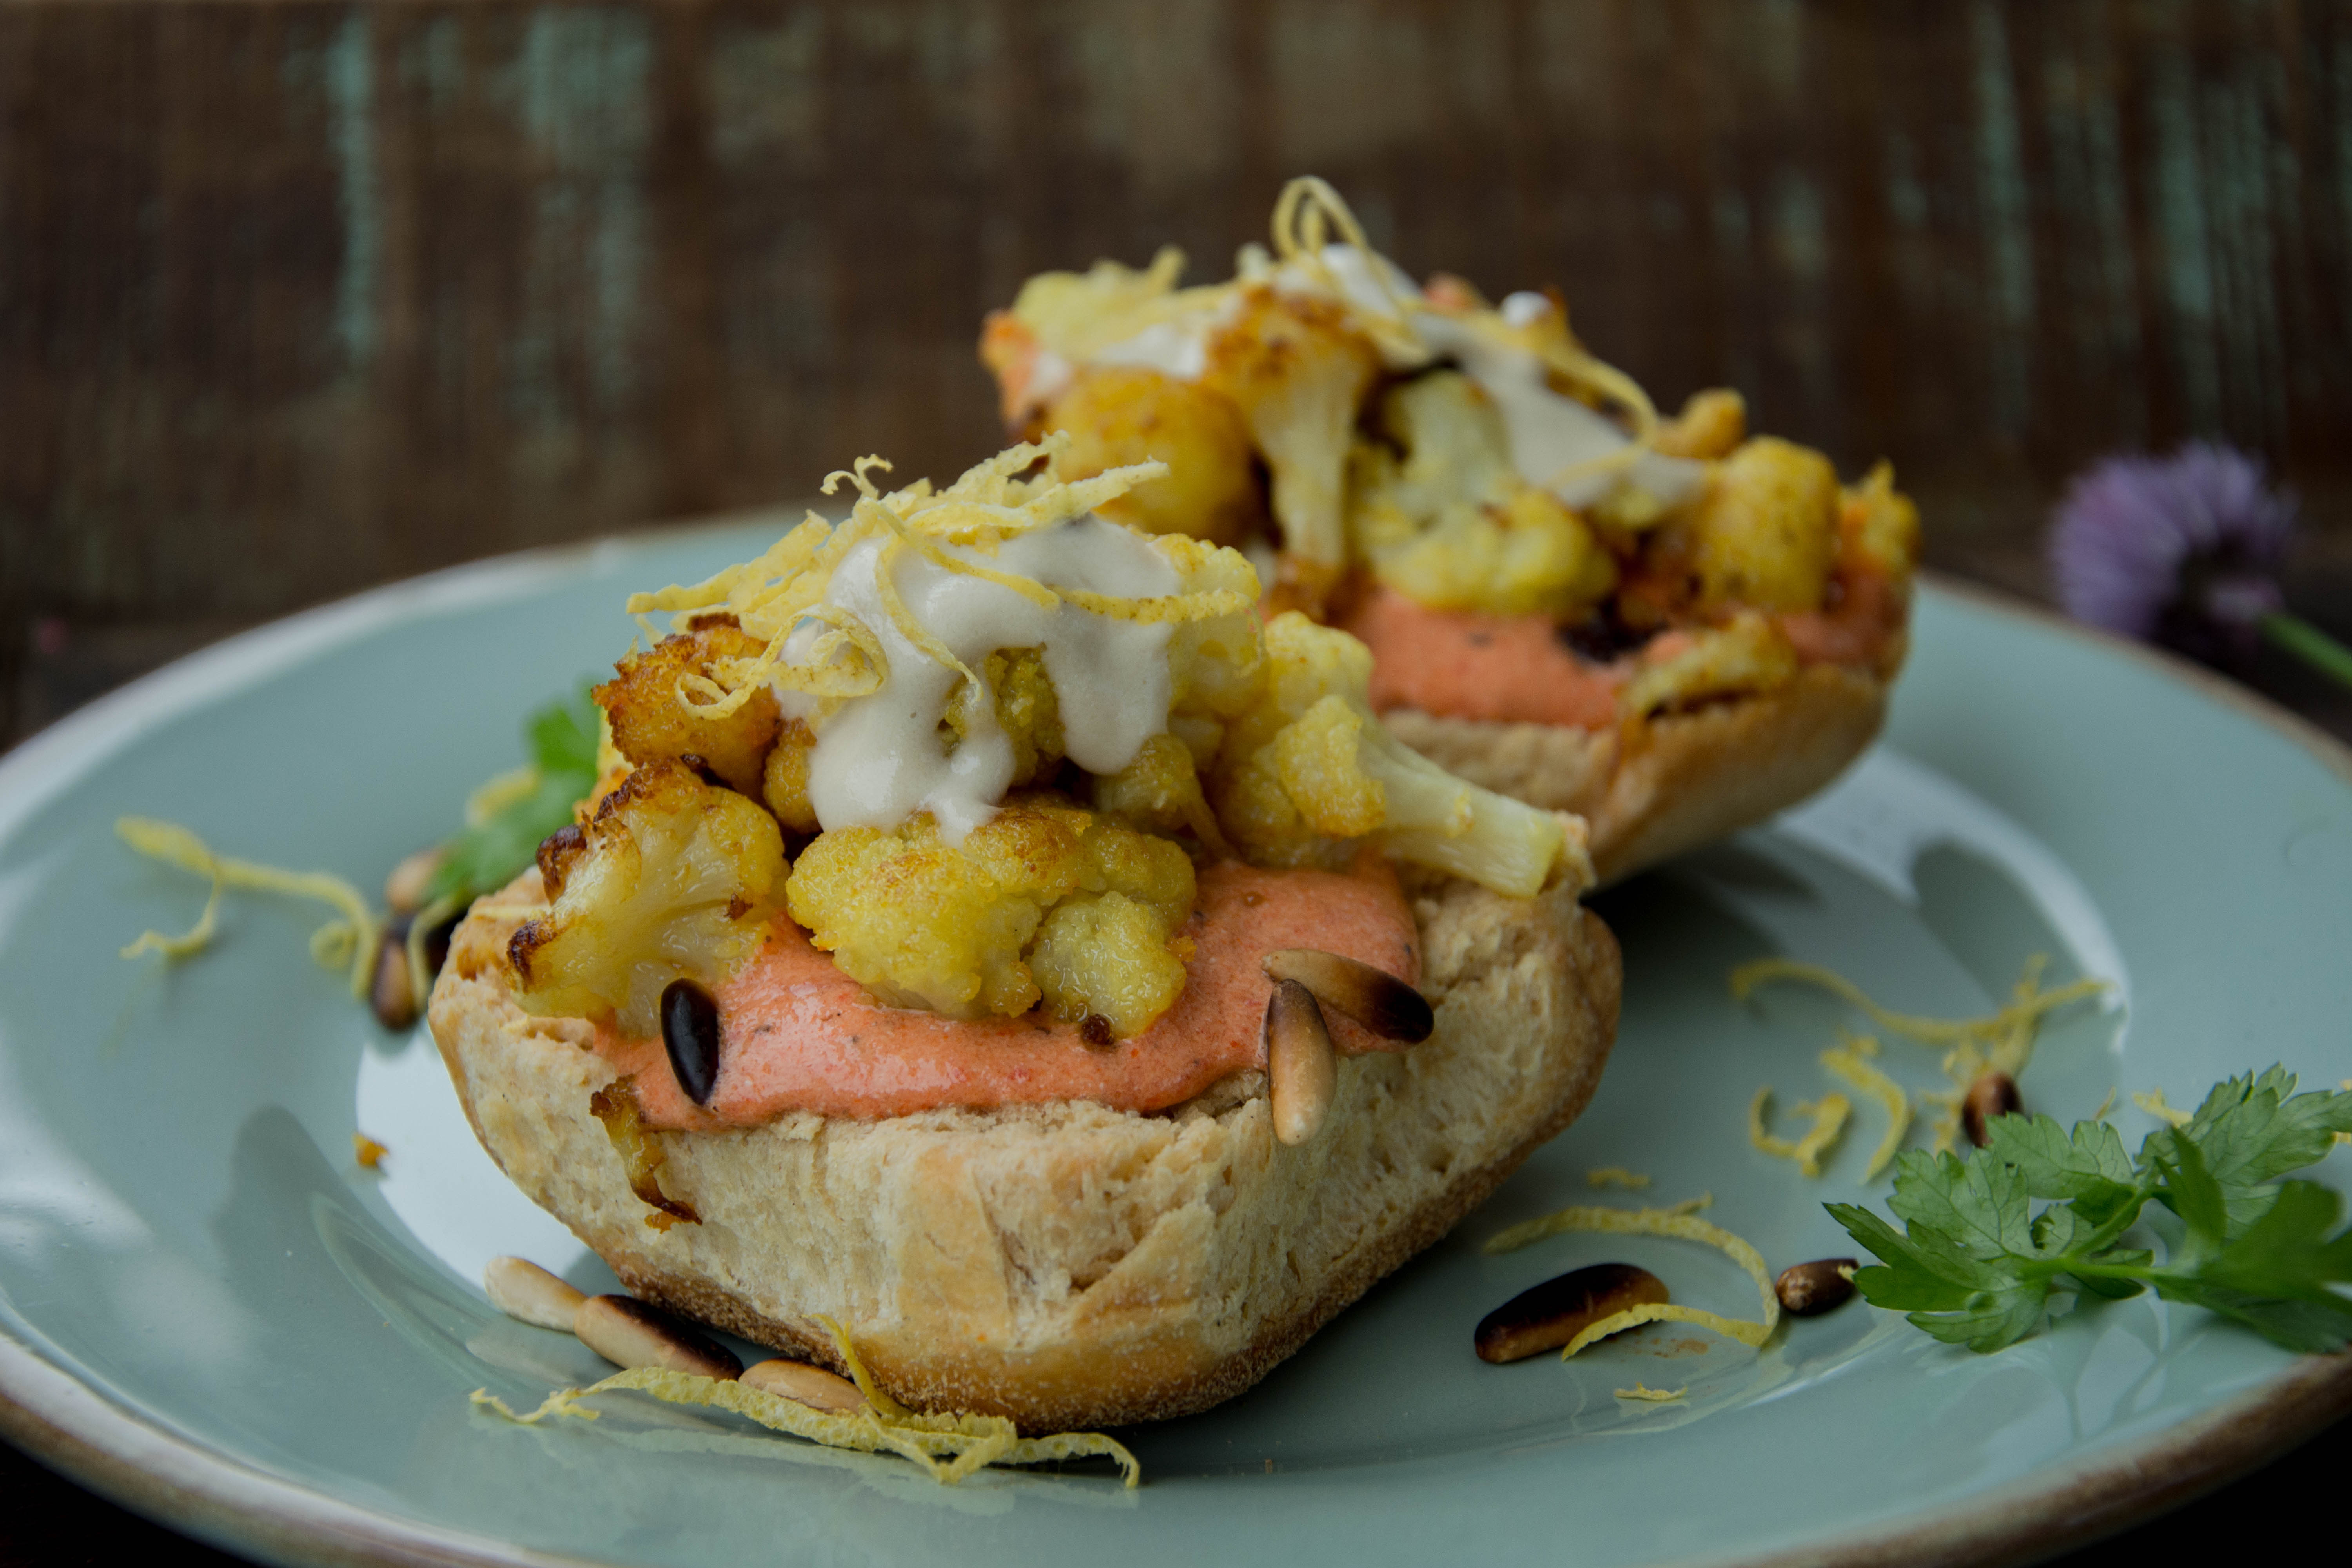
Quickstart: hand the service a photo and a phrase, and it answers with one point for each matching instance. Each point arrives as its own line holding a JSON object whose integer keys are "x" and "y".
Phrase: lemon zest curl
{"x": 1654, "y": 1222}
{"x": 949, "y": 1446}
{"x": 350, "y": 940}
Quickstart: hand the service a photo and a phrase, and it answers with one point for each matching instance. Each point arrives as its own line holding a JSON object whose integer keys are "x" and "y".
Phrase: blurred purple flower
{"x": 2182, "y": 551}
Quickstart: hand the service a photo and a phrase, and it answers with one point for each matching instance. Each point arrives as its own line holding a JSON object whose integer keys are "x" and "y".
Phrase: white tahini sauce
{"x": 1549, "y": 433}
{"x": 1177, "y": 347}
{"x": 878, "y": 760}
{"x": 1049, "y": 377}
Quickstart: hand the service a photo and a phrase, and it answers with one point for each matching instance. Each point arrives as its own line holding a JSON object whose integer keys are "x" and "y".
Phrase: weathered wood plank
{"x": 294, "y": 297}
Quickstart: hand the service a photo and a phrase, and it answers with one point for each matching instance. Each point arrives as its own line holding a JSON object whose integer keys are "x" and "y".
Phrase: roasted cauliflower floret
{"x": 1159, "y": 791}
{"x": 1118, "y": 414}
{"x": 921, "y": 922}
{"x": 1214, "y": 665}
{"x": 1107, "y": 957}
{"x": 1451, "y": 522}
{"x": 676, "y": 879}
{"x": 1750, "y": 655}
{"x": 1711, "y": 423}
{"x": 1309, "y": 769}
{"x": 1879, "y": 527}
{"x": 784, "y": 782}
{"x": 1764, "y": 533}
{"x": 651, "y": 725}
{"x": 1076, "y": 314}
{"x": 1027, "y": 712}
{"x": 1298, "y": 372}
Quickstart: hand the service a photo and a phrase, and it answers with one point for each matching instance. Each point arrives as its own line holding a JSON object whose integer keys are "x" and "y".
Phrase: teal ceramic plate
{"x": 209, "y": 1311}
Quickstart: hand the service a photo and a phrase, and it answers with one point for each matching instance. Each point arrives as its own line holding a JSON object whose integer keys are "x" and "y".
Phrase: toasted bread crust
{"x": 1677, "y": 781}
{"x": 1066, "y": 1264}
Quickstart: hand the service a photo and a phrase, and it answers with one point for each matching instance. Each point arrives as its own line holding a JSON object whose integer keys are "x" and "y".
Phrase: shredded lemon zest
{"x": 1301, "y": 215}
{"x": 966, "y": 1442}
{"x": 349, "y": 941}
{"x": 1945, "y": 1125}
{"x": 1828, "y": 1114}
{"x": 886, "y": 588}
{"x": 1654, "y": 1222}
{"x": 2002, "y": 1040}
{"x": 1205, "y": 605}
{"x": 368, "y": 1151}
{"x": 774, "y": 596}
{"x": 1693, "y": 1205}
{"x": 493, "y": 795}
{"x": 1616, "y": 1177}
{"x": 2105, "y": 1105}
{"x": 562, "y": 1401}
{"x": 2153, "y": 1103}
{"x": 1849, "y": 1062}
{"x": 1654, "y": 1395}
{"x": 1998, "y": 1042}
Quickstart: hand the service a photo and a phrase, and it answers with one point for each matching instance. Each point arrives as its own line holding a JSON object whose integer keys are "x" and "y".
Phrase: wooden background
{"x": 296, "y": 298}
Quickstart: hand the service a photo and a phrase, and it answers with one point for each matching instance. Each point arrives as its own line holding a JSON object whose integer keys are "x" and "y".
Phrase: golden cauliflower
{"x": 1748, "y": 656}
{"x": 1027, "y": 711}
{"x": 1765, "y": 534}
{"x": 1215, "y": 665}
{"x": 980, "y": 927}
{"x": 1077, "y": 314}
{"x": 1160, "y": 792}
{"x": 676, "y": 879}
{"x": 1298, "y": 371}
{"x": 784, "y": 781}
{"x": 1441, "y": 514}
{"x": 1309, "y": 770}
{"x": 1118, "y": 414}
{"x": 1880, "y": 526}
{"x": 650, "y": 725}
{"x": 1711, "y": 423}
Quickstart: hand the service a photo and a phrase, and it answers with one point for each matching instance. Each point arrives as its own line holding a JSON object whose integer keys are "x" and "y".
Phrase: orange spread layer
{"x": 1515, "y": 668}
{"x": 796, "y": 1033}
{"x": 1507, "y": 669}
{"x": 1856, "y": 628}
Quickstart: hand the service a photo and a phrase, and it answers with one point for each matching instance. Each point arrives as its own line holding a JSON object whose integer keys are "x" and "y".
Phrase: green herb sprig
{"x": 1975, "y": 1263}
{"x": 489, "y": 854}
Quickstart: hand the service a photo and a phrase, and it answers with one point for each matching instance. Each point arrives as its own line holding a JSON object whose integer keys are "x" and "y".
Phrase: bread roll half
{"x": 1677, "y": 781}
{"x": 1066, "y": 1264}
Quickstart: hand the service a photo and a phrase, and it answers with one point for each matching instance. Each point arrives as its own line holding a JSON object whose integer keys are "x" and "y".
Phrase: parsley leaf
{"x": 489, "y": 853}
{"x": 2252, "y": 1131}
{"x": 2089, "y": 1170}
{"x": 1975, "y": 1263}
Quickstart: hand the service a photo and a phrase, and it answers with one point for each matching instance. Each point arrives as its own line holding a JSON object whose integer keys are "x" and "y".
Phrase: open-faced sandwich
{"x": 990, "y": 936}
{"x": 1665, "y": 625}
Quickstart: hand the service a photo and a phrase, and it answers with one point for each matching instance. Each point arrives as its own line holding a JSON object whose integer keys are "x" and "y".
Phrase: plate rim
{"x": 72, "y": 1428}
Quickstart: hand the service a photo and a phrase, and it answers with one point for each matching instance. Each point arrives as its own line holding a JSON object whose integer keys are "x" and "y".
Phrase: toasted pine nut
{"x": 1993, "y": 1094}
{"x": 810, "y": 1385}
{"x": 405, "y": 890}
{"x": 1554, "y": 1312}
{"x": 1808, "y": 1290}
{"x": 524, "y": 1291}
{"x": 1302, "y": 1073}
{"x": 1373, "y": 997}
{"x": 393, "y": 995}
{"x": 629, "y": 1334}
